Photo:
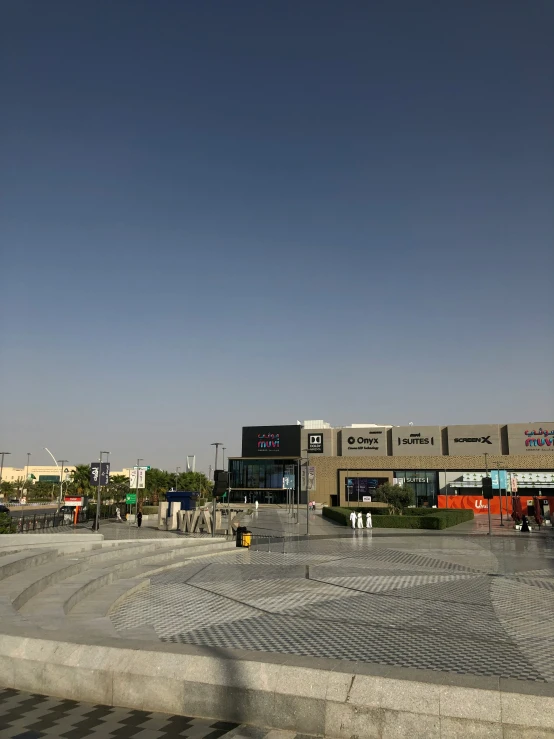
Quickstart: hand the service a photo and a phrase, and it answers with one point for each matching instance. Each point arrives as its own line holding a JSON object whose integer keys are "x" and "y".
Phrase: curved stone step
{"x": 49, "y": 607}
{"x": 32, "y": 578}
{"x": 11, "y": 564}
{"x": 101, "y": 603}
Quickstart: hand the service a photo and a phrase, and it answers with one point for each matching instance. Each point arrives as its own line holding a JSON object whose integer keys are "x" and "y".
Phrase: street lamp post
{"x": 307, "y": 491}
{"x": 488, "y": 500}
{"x": 217, "y": 444}
{"x": 137, "y": 489}
{"x": 98, "y": 496}
{"x": 27, "y": 475}
{"x": 2, "y": 467}
{"x": 223, "y": 450}
{"x": 177, "y": 477}
{"x": 59, "y": 473}
{"x": 500, "y": 494}
{"x": 61, "y": 463}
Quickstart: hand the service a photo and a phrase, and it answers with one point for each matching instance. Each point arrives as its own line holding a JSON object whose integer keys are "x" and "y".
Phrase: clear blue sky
{"x": 217, "y": 214}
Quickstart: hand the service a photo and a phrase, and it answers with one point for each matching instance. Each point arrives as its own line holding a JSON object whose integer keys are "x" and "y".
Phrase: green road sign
{"x": 130, "y": 498}
{"x": 141, "y": 468}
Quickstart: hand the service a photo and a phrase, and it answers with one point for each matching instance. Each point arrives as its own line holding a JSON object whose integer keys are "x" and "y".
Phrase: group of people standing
{"x": 357, "y": 520}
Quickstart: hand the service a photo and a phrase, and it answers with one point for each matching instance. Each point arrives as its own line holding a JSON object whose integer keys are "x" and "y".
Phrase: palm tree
{"x": 80, "y": 479}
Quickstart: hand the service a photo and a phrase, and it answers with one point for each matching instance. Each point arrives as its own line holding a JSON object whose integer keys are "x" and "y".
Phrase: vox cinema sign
{"x": 315, "y": 443}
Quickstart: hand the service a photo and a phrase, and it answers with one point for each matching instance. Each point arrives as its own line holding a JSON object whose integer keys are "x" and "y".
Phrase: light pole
{"x": 59, "y": 473}
{"x": 176, "y": 477}
{"x": 61, "y": 463}
{"x": 139, "y": 460}
{"x": 223, "y": 450}
{"x": 307, "y": 491}
{"x": 500, "y": 494}
{"x": 98, "y": 497}
{"x": 27, "y": 475}
{"x": 217, "y": 444}
{"x": 488, "y": 500}
{"x": 2, "y": 467}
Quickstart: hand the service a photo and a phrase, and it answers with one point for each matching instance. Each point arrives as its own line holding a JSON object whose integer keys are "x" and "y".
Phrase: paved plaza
{"x": 31, "y": 716}
{"x": 446, "y": 603}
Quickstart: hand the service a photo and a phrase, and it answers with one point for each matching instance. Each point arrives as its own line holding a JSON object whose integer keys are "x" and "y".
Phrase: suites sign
{"x": 416, "y": 441}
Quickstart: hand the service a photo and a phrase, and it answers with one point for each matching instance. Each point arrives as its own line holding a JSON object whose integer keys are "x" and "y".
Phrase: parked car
{"x": 4, "y": 509}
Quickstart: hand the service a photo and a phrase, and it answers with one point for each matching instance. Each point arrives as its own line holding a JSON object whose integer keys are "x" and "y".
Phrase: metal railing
{"x": 38, "y": 522}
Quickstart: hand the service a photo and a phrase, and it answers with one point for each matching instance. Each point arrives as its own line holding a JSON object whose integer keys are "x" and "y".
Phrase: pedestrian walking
{"x": 139, "y": 519}
{"x": 525, "y": 525}
{"x": 118, "y": 514}
{"x": 256, "y": 504}
{"x": 368, "y": 521}
{"x": 353, "y": 519}
{"x": 360, "y": 521}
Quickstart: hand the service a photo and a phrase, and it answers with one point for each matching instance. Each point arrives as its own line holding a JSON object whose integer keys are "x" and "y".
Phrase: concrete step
{"x": 102, "y": 602}
{"x": 29, "y": 573}
{"x": 50, "y": 607}
{"x": 11, "y": 564}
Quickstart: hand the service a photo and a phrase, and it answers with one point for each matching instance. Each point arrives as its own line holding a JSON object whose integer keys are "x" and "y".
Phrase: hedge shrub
{"x": 424, "y": 518}
{"x": 7, "y": 526}
{"x": 150, "y": 509}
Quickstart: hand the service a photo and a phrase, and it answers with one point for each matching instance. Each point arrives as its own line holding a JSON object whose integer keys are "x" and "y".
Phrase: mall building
{"x": 347, "y": 463}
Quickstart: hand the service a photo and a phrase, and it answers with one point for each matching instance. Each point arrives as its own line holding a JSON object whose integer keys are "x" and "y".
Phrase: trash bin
{"x": 244, "y": 537}
{"x": 240, "y": 531}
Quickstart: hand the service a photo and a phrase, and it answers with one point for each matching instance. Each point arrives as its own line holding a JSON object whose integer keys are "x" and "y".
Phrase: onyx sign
{"x": 315, "y": 443}
{"x": 271, "y": 441}
{"x": 416, "y": 441}
{"x": 363, "y": 441}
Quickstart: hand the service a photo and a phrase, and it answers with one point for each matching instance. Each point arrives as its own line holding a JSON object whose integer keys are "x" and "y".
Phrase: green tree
{"x": 196, "y": 481}
{"x": 396, "y": 497}
{"x": 80, "y": 481}
{"x": 7, "y": 525}
{"x": 158, "y": 482}
{"x": 42, "y": 490}
{"x": 7, "y": 488}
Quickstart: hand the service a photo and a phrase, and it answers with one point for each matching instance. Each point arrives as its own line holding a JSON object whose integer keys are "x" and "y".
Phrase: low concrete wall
{"x": 25, "y": 541}
{"x": 271, "y": 691}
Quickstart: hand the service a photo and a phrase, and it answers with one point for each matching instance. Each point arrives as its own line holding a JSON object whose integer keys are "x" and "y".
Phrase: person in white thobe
{"x": 360, "y": 521}
{"x": 368, "y": 521}
{"x": 353, "y": 519}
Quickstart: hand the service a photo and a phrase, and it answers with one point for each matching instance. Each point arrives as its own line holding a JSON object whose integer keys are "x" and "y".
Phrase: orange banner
{"x": 476, "y": 503}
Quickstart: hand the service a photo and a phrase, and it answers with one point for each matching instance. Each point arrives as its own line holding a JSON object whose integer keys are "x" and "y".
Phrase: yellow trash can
{"x": 247, "y": 539}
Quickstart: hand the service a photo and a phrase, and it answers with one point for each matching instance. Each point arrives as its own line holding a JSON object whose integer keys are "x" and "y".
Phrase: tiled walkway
{"x": 27, "y": 716}
{"x": 451, "y": 604}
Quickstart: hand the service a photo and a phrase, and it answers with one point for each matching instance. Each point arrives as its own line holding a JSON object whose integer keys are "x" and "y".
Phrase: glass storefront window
{"x": 260, "y": 474}
{"x": 358, "y": 488}
{"x": 424, "y": 483}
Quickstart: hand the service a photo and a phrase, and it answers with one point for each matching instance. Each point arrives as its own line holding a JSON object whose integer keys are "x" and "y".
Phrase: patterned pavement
{"x": 450, "y": 604}
{"x": 30, "y": 716}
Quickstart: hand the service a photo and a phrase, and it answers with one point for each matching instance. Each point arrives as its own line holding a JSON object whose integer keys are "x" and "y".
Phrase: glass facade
{"x": 424, "y": 483}
{"x": 358, "y": 488}
{"x": 261, "y": 480}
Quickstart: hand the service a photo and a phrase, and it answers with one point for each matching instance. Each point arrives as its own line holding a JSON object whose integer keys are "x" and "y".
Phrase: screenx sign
{"x": 416, "y": 441}
{"x": 315, "y": 443}
{"x": 465, "y": 440}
